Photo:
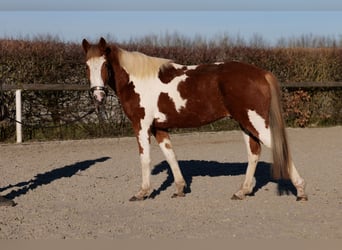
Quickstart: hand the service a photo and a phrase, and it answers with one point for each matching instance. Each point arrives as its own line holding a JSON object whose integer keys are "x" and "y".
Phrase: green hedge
{"x": 57, "y": 62}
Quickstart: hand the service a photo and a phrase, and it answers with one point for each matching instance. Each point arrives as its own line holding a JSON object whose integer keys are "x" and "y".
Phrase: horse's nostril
{"x": 99, "y": 98}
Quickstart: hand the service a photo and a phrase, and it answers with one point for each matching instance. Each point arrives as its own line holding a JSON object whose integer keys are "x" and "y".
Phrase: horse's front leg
{"x": 143, "y": 138}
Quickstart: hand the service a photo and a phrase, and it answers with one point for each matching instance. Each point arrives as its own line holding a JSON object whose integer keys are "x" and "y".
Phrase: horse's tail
{"x": 280, "y": 149}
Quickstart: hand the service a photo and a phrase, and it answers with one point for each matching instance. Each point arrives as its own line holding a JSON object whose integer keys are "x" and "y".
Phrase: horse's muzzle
{"x": 99, "y": 96}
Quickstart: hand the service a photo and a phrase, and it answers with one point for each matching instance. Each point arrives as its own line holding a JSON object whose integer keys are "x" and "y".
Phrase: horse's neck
{"x": 119, "y": 80}
{"x": 119, "y": 77}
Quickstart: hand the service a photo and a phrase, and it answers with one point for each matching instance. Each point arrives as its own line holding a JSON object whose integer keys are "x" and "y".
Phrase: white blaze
{"x": 95, "y": 66}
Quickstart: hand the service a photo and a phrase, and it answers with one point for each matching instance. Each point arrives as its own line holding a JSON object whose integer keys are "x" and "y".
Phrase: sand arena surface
{"x": 80, "y": 190}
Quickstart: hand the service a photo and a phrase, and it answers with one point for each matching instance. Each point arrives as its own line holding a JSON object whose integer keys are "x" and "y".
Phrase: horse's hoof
{"x": 176, "y": 195}
{"x": 6, "y": 202}
{"x": 237, "y": 197}
{"x": 134, "y": 198}
{"x": 302, "y": 198}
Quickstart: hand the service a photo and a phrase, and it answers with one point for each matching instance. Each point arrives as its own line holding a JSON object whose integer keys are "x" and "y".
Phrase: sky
{"x": 126, "y": 19}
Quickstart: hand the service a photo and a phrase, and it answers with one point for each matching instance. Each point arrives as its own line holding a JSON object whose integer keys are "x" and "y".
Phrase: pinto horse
{"x": 157, "y": 95}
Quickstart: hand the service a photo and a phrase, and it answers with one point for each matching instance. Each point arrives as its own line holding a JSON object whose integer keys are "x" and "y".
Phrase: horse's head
{"x": 99, "y": 71}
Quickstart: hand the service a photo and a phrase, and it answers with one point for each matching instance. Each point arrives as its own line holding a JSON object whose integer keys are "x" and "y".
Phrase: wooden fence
{"x": 74, "y": 87}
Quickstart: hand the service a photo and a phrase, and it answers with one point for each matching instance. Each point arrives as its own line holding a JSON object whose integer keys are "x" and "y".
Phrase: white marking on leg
{"x": 298, "y": 182}
{"x": 170, "y": 156}
{"x": 247, "y": 185}
{"x": 145, "y": 160}
{"x": 252, "y": 163}
{"x": 143, "y": 135}
{"x": 259, "y": 124}
{"x": 295, "y": 177}
{"x": 146, "y": 170}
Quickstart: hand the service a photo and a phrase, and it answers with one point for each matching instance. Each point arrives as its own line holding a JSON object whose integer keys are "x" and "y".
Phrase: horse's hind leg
{"x": 298, "y": 182}
{"x": 164, "y": 142}
{"x": 253, "y": 150}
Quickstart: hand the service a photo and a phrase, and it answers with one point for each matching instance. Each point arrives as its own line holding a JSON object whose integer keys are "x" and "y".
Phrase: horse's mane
{"x": 141, "y": 65}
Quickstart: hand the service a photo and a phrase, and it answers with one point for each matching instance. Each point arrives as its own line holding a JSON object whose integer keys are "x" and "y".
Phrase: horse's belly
{"x": 189, "y": 117}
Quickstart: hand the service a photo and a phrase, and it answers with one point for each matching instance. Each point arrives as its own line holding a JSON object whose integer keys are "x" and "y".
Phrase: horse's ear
{"x": 103, "y": 45}
{"x": 85, "y": 45}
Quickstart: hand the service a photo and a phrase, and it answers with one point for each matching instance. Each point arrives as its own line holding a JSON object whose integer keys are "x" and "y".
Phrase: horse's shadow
{"x": 195, "y": 168}
{"x": 22, "y": 188}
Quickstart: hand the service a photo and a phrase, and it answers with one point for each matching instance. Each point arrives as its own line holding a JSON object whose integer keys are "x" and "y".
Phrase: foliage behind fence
{"x": 48, "y": 61}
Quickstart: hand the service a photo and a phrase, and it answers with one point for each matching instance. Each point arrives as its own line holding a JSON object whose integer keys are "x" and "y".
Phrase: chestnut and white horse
{"x": 157, "y": 94}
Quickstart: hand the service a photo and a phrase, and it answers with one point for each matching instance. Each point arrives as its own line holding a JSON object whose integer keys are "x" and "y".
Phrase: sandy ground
{"x": 80, "y": 190}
